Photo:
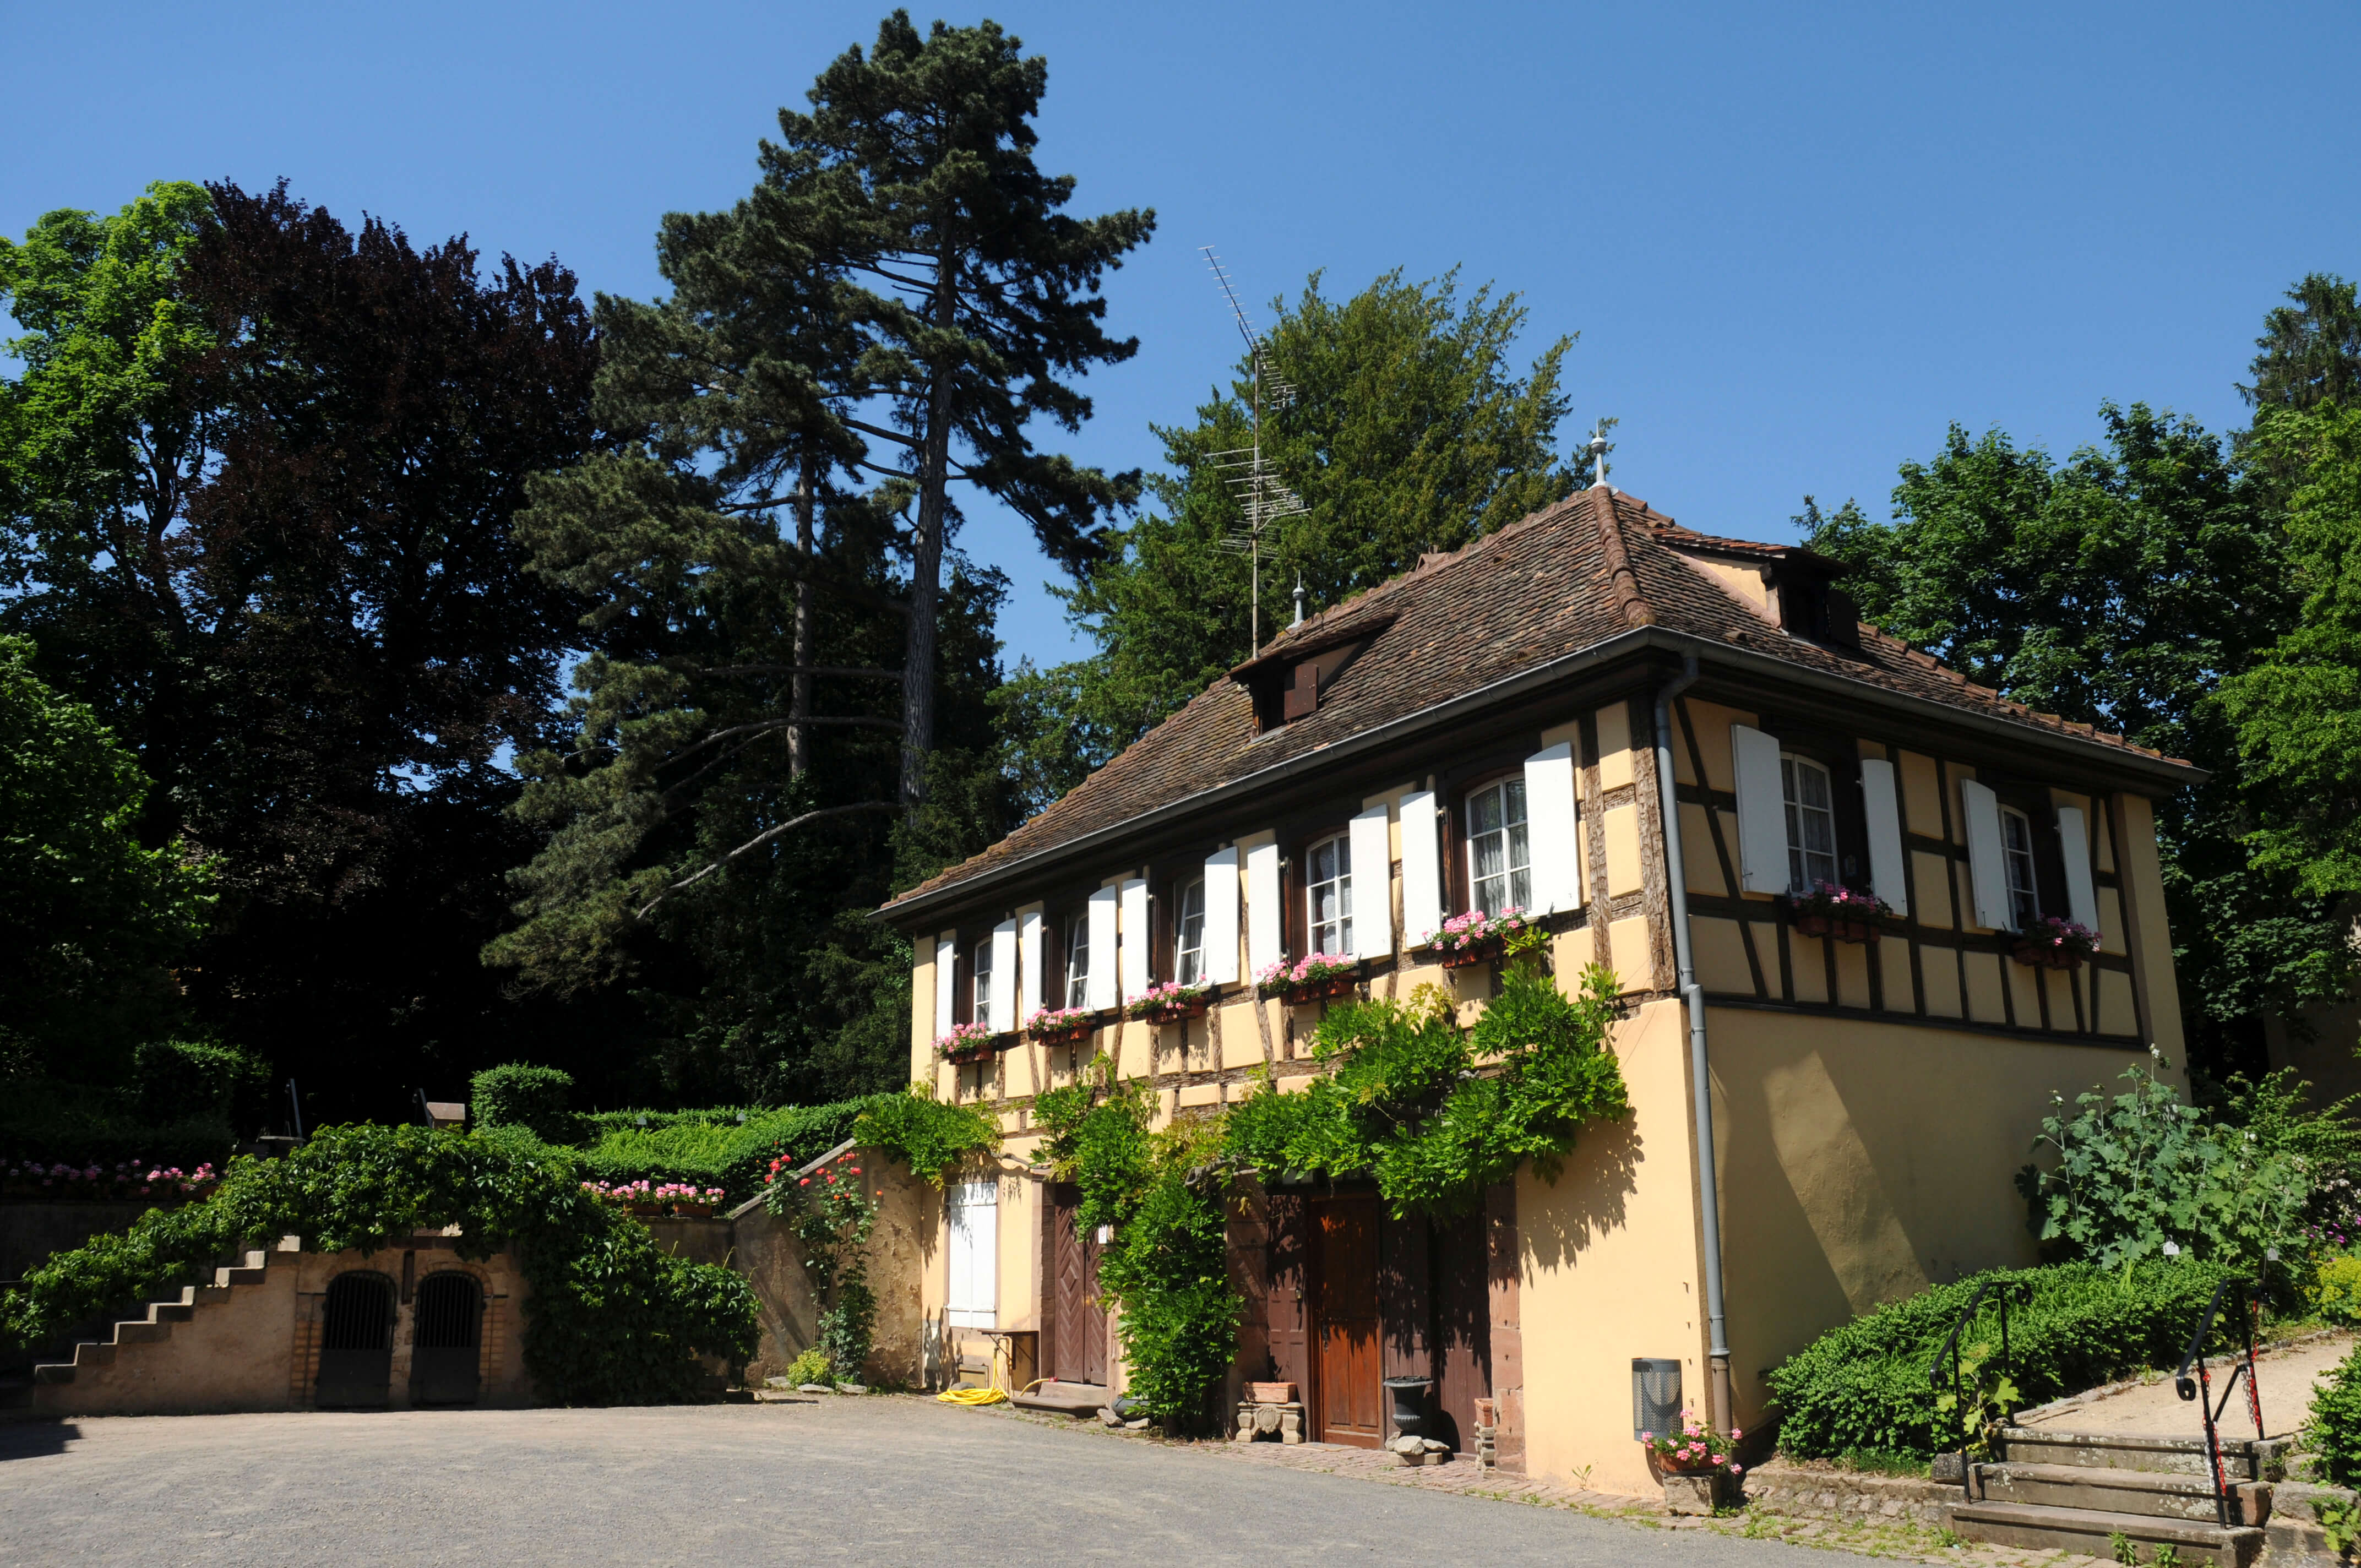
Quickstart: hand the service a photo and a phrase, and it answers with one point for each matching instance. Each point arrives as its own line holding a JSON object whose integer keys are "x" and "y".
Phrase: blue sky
{"x": 1796, "y": 243}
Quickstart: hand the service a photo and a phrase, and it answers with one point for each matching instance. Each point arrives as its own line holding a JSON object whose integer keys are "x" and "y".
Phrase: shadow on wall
{"x": 1602, "y": 1174}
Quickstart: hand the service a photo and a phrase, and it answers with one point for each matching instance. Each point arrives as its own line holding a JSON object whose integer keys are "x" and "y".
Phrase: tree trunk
{"x": 799, "y": 698}
{"x": 926, "y": 558}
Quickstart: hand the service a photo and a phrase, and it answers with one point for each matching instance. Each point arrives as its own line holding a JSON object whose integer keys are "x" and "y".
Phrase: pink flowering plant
{"x": 1834, "y": 901}
{"x": 1172, "y": 996}
{"x": 647, "y": 1191}
{"x": 965, "y": 1042}
{"x": 1274, "y": 979}
{"x": 1694, "y": 1448}
{"x": 124, "y": 1179}
{"x": 1060, "y": 1021}
{"x": 2053, "y": 937}
{"x": 1473, "y": 929}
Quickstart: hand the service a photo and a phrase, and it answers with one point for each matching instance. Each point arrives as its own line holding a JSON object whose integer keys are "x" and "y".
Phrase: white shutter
{"x": 972, "y": 1216}
{"x": 1221, "y": 916}
{"x": 2081, "y": 898}
{"x": 1987, "y": 868}
{"x": 1003, "y": 1003}
{"x": 1098, "y": 985}
{"x": 1421, "y": 863}
{"x": 1549, "y": 830}
{"x": 1028, "y": 960}
{"x": 1263, "y": 945}
{"x": 1373, "y": 885}
{"x": 1762, "y": 811}
{"x": 1884, "y": 815}
{"x": 946, "y": 969}
{"x": 1134, "y": 948}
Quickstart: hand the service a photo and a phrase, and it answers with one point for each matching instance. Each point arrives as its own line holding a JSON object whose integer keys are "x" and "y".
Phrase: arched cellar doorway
{"x": 356, "y": 1342}
{"x": 446, "y": 1343}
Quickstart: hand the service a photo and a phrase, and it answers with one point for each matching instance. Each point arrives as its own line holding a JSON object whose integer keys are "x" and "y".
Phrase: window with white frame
{"x": 1328, "y": 896}
{"x": 981, "y": 966}
{"x": 2016, "y": 850}
{"x": 1189, "y": 943}
{"x": 1077, "y": 959}
{"x": 1499, "y": 859}
{"x": 971, "y": 1218}
{"x": 1811, "y": 823}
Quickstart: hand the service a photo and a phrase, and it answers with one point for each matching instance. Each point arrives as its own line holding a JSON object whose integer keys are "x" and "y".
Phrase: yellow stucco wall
{"x": 1609, "y": 1267}
{"x": 1860, "y": 1161}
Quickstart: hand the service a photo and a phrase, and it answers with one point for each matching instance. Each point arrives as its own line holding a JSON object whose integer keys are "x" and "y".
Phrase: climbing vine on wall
{"x": 1433, "y": 1114}
{"x": 611, "y": 1319}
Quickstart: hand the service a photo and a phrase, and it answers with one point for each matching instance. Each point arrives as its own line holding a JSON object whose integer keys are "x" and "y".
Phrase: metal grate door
{"x": 356, "y": 1342}
{"x": 447, "y": 1342}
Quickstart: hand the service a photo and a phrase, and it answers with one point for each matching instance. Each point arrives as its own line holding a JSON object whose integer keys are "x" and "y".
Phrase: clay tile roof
{"x": 1594, "y": 566}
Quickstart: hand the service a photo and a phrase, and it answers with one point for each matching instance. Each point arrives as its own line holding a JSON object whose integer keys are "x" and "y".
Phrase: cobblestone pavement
{"x": 884, "y": 1481}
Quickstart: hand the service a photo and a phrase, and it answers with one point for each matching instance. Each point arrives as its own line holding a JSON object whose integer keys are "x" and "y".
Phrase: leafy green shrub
{"x": 2333, "y": 1432}
{"x": 713, "y": 1149}
{"x": 2145, "y": 1172}
{"x": 44, "y": 1119}
{"x": 812, "y": 1366}
{"x": 1167, "y": 1267}
{"x": 178, "y": 1081}
{"x": 518, "y": 1094}
{"x": 930, "y": 1136}
{"x": 2335, "y": 1293}
{"x": 612, "y": 1319}
{"x": 1866, "y": 1384}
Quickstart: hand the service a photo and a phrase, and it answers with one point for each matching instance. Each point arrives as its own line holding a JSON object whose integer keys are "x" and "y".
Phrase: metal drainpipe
{"x": 1700, "y": 1071}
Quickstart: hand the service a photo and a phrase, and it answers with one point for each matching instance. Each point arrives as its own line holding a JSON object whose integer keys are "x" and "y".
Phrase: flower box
{"x": 645, "y": 1211}
{"x": 967, "y": 1056}
{"x": 1171, "y": 1002}
{"x": 1271, "y": 1393}
{"x": 1309, "y": 980}
{"x": 1062, "y": 1025}
{"x": 967, "y": 1043}
{"x": 1835, "y": 929}
{"x": 1475, "y": 938}
{"x": 2052, "y": 943}
{"x": 693, "y": 1210}
{"x": 1837, "y": 913}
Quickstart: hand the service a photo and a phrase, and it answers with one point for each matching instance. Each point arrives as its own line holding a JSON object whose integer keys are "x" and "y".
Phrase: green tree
{"x": 88, "y": 917}
{"x": 914, "y": 174}
{"x": 2118, "y": 589}
{"x": 1408, "y": 431}
{"x": 2309, "y": 352}
{"x": 2298, "y": 711}
{"x": 258, "y": 475}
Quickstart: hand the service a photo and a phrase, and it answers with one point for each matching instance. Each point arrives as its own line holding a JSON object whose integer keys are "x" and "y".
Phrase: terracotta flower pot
{"x": 1073, "y": 1036}
{"x": 1271, "y": 1393}
{"x": 1480, "y": 952}
{"x": 645, "y": 1211}
{"x": 1178, "y": 1013}
{"x": 1321, "y": 990}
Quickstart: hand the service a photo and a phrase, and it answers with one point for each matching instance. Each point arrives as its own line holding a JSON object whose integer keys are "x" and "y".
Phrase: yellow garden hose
{"x": 993, "y": 1393}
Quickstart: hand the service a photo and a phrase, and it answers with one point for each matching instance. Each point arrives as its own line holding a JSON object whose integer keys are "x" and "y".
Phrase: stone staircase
{"x": 90, "y": 1357}
{"x": 2088, "y": 1492}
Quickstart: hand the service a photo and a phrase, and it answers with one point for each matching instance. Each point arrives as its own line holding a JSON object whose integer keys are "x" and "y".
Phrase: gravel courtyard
{"x": 882, "y": 1481}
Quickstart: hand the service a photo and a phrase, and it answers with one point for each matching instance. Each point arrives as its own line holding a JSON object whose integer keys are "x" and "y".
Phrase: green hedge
{"x": 519, "y": 1094}
{"x": 1865, "y": 1385}
{"x": 611, "y": 1319}
{"x": 721, "y": 1152}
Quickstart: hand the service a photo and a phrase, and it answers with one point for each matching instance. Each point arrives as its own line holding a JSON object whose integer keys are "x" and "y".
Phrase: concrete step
{"x": 1064, "y": 1399}
{"x": 2094, "y": 1533}
{"x": 137, "y": 1331}
{"x": 90, "y": 1353}
{"x": 253, "y": 1273}
{"x": 171, "y": 1311}
{"x": 2154, "y": 1493}
{"x": 53, "y": 1372}
{"x": 2243, "y": 1459}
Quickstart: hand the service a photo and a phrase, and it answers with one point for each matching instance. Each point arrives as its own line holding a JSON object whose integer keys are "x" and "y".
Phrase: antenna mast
{"x": 1260, "y": 497}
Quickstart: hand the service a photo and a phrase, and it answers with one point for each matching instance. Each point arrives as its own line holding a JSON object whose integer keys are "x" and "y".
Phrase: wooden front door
{"x": 1346, "y": 1319}
{"x": 1077, "y": 1325}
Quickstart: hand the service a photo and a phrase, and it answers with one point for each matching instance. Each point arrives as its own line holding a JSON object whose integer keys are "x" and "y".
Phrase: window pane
{"x": 1811, "y": 824}
{"x": 1484, "y": 813}
{"x": 1191, "y": 965}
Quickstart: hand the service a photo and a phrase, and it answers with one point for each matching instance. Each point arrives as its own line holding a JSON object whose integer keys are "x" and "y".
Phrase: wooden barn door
{"x": 1077, "y": 1326}
{"x": 1344, "y": 1236}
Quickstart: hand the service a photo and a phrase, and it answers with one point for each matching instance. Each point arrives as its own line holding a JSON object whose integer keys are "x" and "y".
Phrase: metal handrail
{"x": 2001, "y": 1288}
{"x": 2200, "y": 1388}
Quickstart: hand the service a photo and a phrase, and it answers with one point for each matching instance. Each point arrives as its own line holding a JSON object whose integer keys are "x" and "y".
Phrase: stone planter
{"x": 1699, "y": 1491}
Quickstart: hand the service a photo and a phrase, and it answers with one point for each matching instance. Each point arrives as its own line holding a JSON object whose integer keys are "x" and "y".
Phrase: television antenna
{"x": 1261, "y": 498}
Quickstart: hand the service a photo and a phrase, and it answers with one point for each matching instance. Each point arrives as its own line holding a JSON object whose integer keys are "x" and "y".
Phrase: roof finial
{"x": 1598, "y": 450}
{"x": 1298, "y": 597}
